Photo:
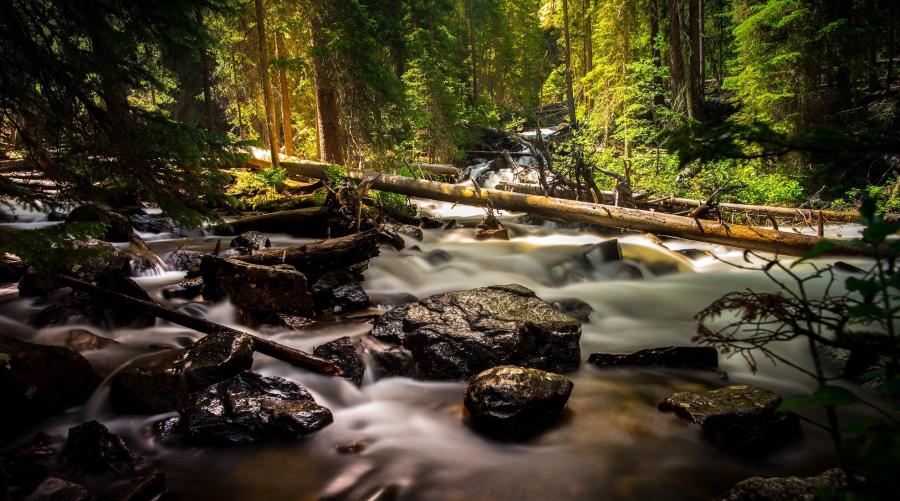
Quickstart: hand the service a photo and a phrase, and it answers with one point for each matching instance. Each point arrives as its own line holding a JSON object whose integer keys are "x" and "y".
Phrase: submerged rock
{"x": 57, "y": 489}
{"x": 455, "y": 335}
{"x": 574, "y": 307}
{"x": 740, "y": 418}
{"x": 23, "y": 468}
{"x": 343, "y": 352}
{"x": 787, "y": 488}
{"x": 91, "y": 448}
{"x": 149, "y": 486}
{"x": 157, "y": 382}
{"x": 37, "y": 381}
{"x": 248, "y": 408}
{"x": 81, "y": 340}
{"x": 269, "y": 289}
{"x": 491, "y": 229}
{"x": 250, "y": 241}
{"x": 687, "y": 357}
{"x": 514, "y": 402}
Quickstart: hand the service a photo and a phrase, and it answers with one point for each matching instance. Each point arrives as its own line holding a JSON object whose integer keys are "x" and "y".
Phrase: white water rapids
{"x": 612, "y": 442}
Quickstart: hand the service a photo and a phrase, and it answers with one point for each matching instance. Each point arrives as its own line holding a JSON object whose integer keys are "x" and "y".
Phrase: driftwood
{"x": 748, "y": 237}
{"x": 293, "y": 356}
{"x": 315, "y": 258}
{"x": 307, "y": 222}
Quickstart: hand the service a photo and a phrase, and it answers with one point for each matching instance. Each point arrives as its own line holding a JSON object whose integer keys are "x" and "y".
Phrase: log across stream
{"x": 407, "y": 437}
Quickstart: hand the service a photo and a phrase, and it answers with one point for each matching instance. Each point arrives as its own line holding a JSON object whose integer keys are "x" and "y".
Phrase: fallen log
{"x": 293, "y": 356}
{"x": 444, "y": 170}
{"x": 310, "y": 222}
{"x": 748, "y": 237}
{"x": 318, "y": 257}
{"x": 689, "y": 203}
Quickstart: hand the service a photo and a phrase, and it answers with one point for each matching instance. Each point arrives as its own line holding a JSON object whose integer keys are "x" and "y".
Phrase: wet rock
{"x": 37, "y": 381}
{"x": 739, "y": 418}
{"x": 458, "y": 334}
{"x": 409, "y": 230}
{"x": 354, "y": 448}
{"x": 694, "y": 253}
{"x": 186, "y": 289}
{"x": 255, "y": 287}
{"x": 166, "y": 429}
{"x": 787, "y": 488}
{"x": 437, "y": 256}
{"x": 343, "y": 352}
{"x": 146, "y": 487}
{"x": 249, "y": 408}
{"x": 100, "y": 260}
{"x": 157, "y": 382}
{"x": 23, "y": 468}
{"x": 82, "y": 340}
{"x": 491, "y": 229}
{"x": 511, "y": 402}
{"x": 574, "y": 307}
{"x": 390, "y": 360}
{"x": 183, "y": 260}
{"x": 57, "y": 489}
{"x": 603, "y": 252}
{"x": 687, "y": 357}
{"x": 12, "y": 268}
{"x": 79, "y": 306}
{"x": 390, "y": 300}
{"x": 250, "y": 241}
{"x": 118, "y": 227}
{"x": 152, "y": 223}
{"x": 91, "y": 448}
{"x": 339, "y": 292}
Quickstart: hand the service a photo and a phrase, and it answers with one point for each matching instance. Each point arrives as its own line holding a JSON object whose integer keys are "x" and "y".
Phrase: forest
{"x": 449, "y": 249}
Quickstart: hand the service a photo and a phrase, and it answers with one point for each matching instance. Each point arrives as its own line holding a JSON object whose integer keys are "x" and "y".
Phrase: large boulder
{"x": 680, "y": 357}
{"x": 459, "y": 334}
{"x": 339, "y": 292}
{"x": 257, "y": 288}
{"x": 37, "y": 381}
{"x": 249, "y": 408}
{"x": 91, "y": 448}
{"x": 787, "y": 488}
{"x": 343, "y": 352}
{"x": 739, "y": 418}
{"x": 156, "y": 383}
{"x": 510, "y": 402}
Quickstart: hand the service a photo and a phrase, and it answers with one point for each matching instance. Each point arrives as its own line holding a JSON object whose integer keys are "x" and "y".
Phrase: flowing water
{"x": 611, "y": 443}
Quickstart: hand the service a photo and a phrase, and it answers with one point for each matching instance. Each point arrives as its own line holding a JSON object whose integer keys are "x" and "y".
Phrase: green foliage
{"x": 53, "y": 248}
{"x": 392, "y": 201}
{"x": 255, "y": 188}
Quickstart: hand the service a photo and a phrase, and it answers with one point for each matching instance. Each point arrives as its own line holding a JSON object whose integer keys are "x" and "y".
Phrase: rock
{"x": 409, "y": 230}
{"x": 166, "y": 429}
{"x": 269, "y": 289}
{"x": 388, "y": 300}
{"x": 152, "y": 223}
{"x": 354, "y": 448}
{"x": 118, "y": 227}
{"x": 390, "y": 360}
{"x": 183, "y": 260}
{"x": 343, "y": 352}
{"x": 603, "y": 252}
{"x": 437, "y": 256}
{"x": 787, "y": 488}
{"x": 82, "y": 340}
{"x": 145, "y": 487}
{"x": 682, "y": 357}
{"x": 100, "y": 260}
{"x": 84, "y": 307}
{"x": 249, "y": 408}
{"x": 23, "y": 468}
{"x": 490, "y": 228}
{"x": 455, "y": 335}
{"x": 91, "y": 448}
{"x": 339, "y": 292}
{"x": 250, "y": 241}
{"x": 574, "y": 307}
{"x": 37, "y": 381}
{"x": 186, "y": 289}
{"x": 157, "y": 382}
{"x": 740, "y": 418}
{"x": 57, "y": 489}
{"x": 510, "y": 402}
{"x": 12, "y": 268}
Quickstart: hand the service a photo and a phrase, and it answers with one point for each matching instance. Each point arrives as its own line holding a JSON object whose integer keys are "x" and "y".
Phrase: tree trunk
{"x": 695, "y": 16}
{"x": 473, "y": 50}
{"x": 311, "y": 222}
{"x": 285, "y": 96}
{"x": 588, "y": 36}
{"x": 570, "y": 96}
{"x": 266, "y": 83}
{"x": 317, "y": 258}
{"x": 748, "y": 237}
{"x": 658, "y": 98}
{"x": 207, "y": 84}
{"x": 327, "y": 108}
{"x": 680, "y": 100}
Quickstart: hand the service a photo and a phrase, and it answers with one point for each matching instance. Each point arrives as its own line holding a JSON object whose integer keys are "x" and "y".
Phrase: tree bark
{"x": 327, "y": 108}
{"x": 680, "y": 99}
{"x": 266, "y": 83}
{"x": 570, "y": 96}
{"x": 749, "y": 237}
{"x": 284, "y": 353}
{"x": 658, "y": 98}
{"x": 308, "y": 222}
{"x": 588, "y": 36}
{"x": 286, "y": 122}
{"x": 695, "y": 16}
{"x": 473, "y": 50}
{"x": 207, "y": 84}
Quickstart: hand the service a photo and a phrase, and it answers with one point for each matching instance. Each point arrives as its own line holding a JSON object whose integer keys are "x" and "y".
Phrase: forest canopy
{"x": 780, "y": 101}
